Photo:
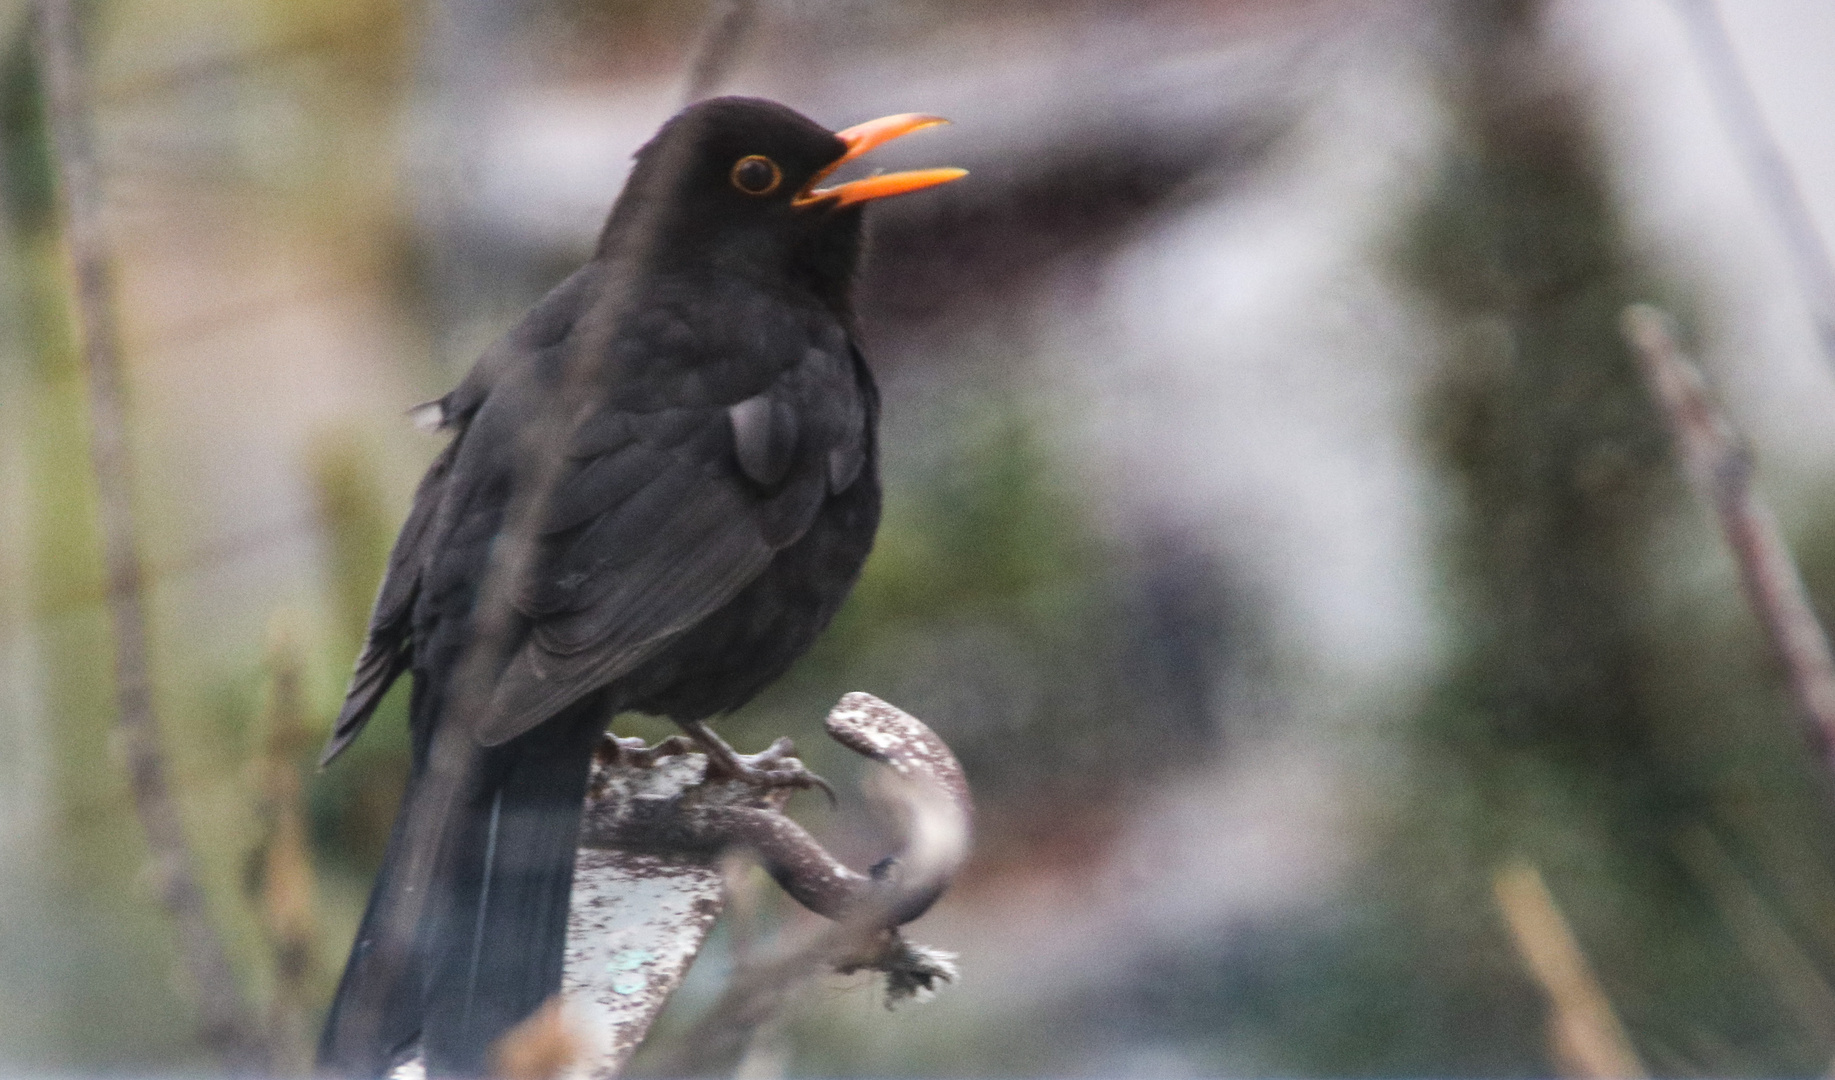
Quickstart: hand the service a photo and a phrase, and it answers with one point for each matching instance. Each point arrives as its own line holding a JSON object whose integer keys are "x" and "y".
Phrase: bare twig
{"x": 226, "y": 1028}
{"x": 1721, "y": 469}
{"x": 1770, "y": 170}
{"x": 723, "y": 36}
{"x": 286, "y": 887}
{"x": 1585, "y": 1036}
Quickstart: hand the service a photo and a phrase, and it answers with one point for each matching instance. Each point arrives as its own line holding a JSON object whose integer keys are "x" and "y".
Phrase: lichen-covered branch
{"x": 649, "y": 886}
{"x": 931, "y": 796}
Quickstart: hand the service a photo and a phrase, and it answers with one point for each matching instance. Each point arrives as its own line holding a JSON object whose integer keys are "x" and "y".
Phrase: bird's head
{"x": 740, "y": 183}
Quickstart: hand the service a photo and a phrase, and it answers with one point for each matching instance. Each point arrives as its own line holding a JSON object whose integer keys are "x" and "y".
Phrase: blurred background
{"x": 1276, "y": 524}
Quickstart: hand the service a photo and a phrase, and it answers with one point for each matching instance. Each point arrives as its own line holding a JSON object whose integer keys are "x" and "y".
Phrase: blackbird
{"x": 661, "y": 485}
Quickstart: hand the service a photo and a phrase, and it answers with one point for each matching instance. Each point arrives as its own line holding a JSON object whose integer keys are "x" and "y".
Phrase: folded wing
{"x": 659, "y": 519}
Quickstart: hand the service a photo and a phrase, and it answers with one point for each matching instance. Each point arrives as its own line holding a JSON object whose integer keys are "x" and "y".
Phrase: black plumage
{"x": 673, "y": 453}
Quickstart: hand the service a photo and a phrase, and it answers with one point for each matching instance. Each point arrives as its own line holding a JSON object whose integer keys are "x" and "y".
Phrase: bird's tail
{"x": 493, "y": 928}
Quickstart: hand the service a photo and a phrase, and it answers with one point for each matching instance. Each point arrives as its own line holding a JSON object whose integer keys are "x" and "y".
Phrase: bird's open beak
{"x": 863, "y": 137}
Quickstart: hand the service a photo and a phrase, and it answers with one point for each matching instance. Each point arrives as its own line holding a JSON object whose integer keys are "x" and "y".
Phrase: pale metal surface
{"x": 637, "y": 921}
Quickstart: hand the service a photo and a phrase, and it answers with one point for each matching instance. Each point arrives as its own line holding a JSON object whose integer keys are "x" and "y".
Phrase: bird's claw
{"x": 776, "y": 766}
{"x": 635, "y": 753}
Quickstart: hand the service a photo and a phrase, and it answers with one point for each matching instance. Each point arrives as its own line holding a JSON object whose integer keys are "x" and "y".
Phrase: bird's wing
{"x": 658, "y": 520}
{"x": 385, "y": 647}
{"x": 386, "y": 652}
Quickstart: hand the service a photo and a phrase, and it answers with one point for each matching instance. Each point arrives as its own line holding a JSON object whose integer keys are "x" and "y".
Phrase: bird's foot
{"x": 776, "y": 767}
{"x": 634, "y": 753}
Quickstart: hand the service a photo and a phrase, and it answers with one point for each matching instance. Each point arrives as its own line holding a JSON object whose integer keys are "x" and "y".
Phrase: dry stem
{"x": 1585, "y": 1036}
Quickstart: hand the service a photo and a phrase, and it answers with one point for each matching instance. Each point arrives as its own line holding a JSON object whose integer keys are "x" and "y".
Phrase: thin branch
{"x": 285, "y": 891}
{"x": 723, "y": 36}
{"x": 226, "y": 1027}
{"x": 1765, "y": 160}
{"x": 1721, "y": 470}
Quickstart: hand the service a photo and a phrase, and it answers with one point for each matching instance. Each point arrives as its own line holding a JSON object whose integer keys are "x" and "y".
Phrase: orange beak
{"x": 861, "y": 138}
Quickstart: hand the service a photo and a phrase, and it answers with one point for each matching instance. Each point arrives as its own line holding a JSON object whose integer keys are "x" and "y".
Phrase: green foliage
{"x": 1608, "y": 712}
{"x": 1582, "y": 725}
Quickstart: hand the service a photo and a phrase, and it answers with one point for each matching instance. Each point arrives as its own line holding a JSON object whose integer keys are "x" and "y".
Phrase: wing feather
{"x": 713, "y": 549}
{"x": 385, "y": 653}
{"x": 663, "y": 519}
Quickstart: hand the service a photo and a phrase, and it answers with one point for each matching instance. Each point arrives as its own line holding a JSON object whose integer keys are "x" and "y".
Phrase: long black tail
{"x": 491, "y": 945}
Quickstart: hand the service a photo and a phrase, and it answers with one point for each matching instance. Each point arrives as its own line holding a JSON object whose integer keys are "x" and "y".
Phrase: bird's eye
{"x": 757, "y": 175}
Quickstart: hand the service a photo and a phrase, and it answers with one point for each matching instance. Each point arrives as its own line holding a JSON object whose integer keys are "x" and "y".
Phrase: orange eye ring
{"x": 749, "y": 177}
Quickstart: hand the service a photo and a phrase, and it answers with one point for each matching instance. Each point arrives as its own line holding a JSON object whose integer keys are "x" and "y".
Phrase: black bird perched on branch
{"x": 661, "y": 486}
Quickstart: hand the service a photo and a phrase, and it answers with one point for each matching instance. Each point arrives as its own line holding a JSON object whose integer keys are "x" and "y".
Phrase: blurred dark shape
{"x": 1057, "y": 185}
{"x": 26, "y": 161}
{"x": 1181, "y": 637}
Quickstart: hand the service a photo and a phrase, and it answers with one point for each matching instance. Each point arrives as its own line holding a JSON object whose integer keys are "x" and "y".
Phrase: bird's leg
{"x": 775, "y": 767}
